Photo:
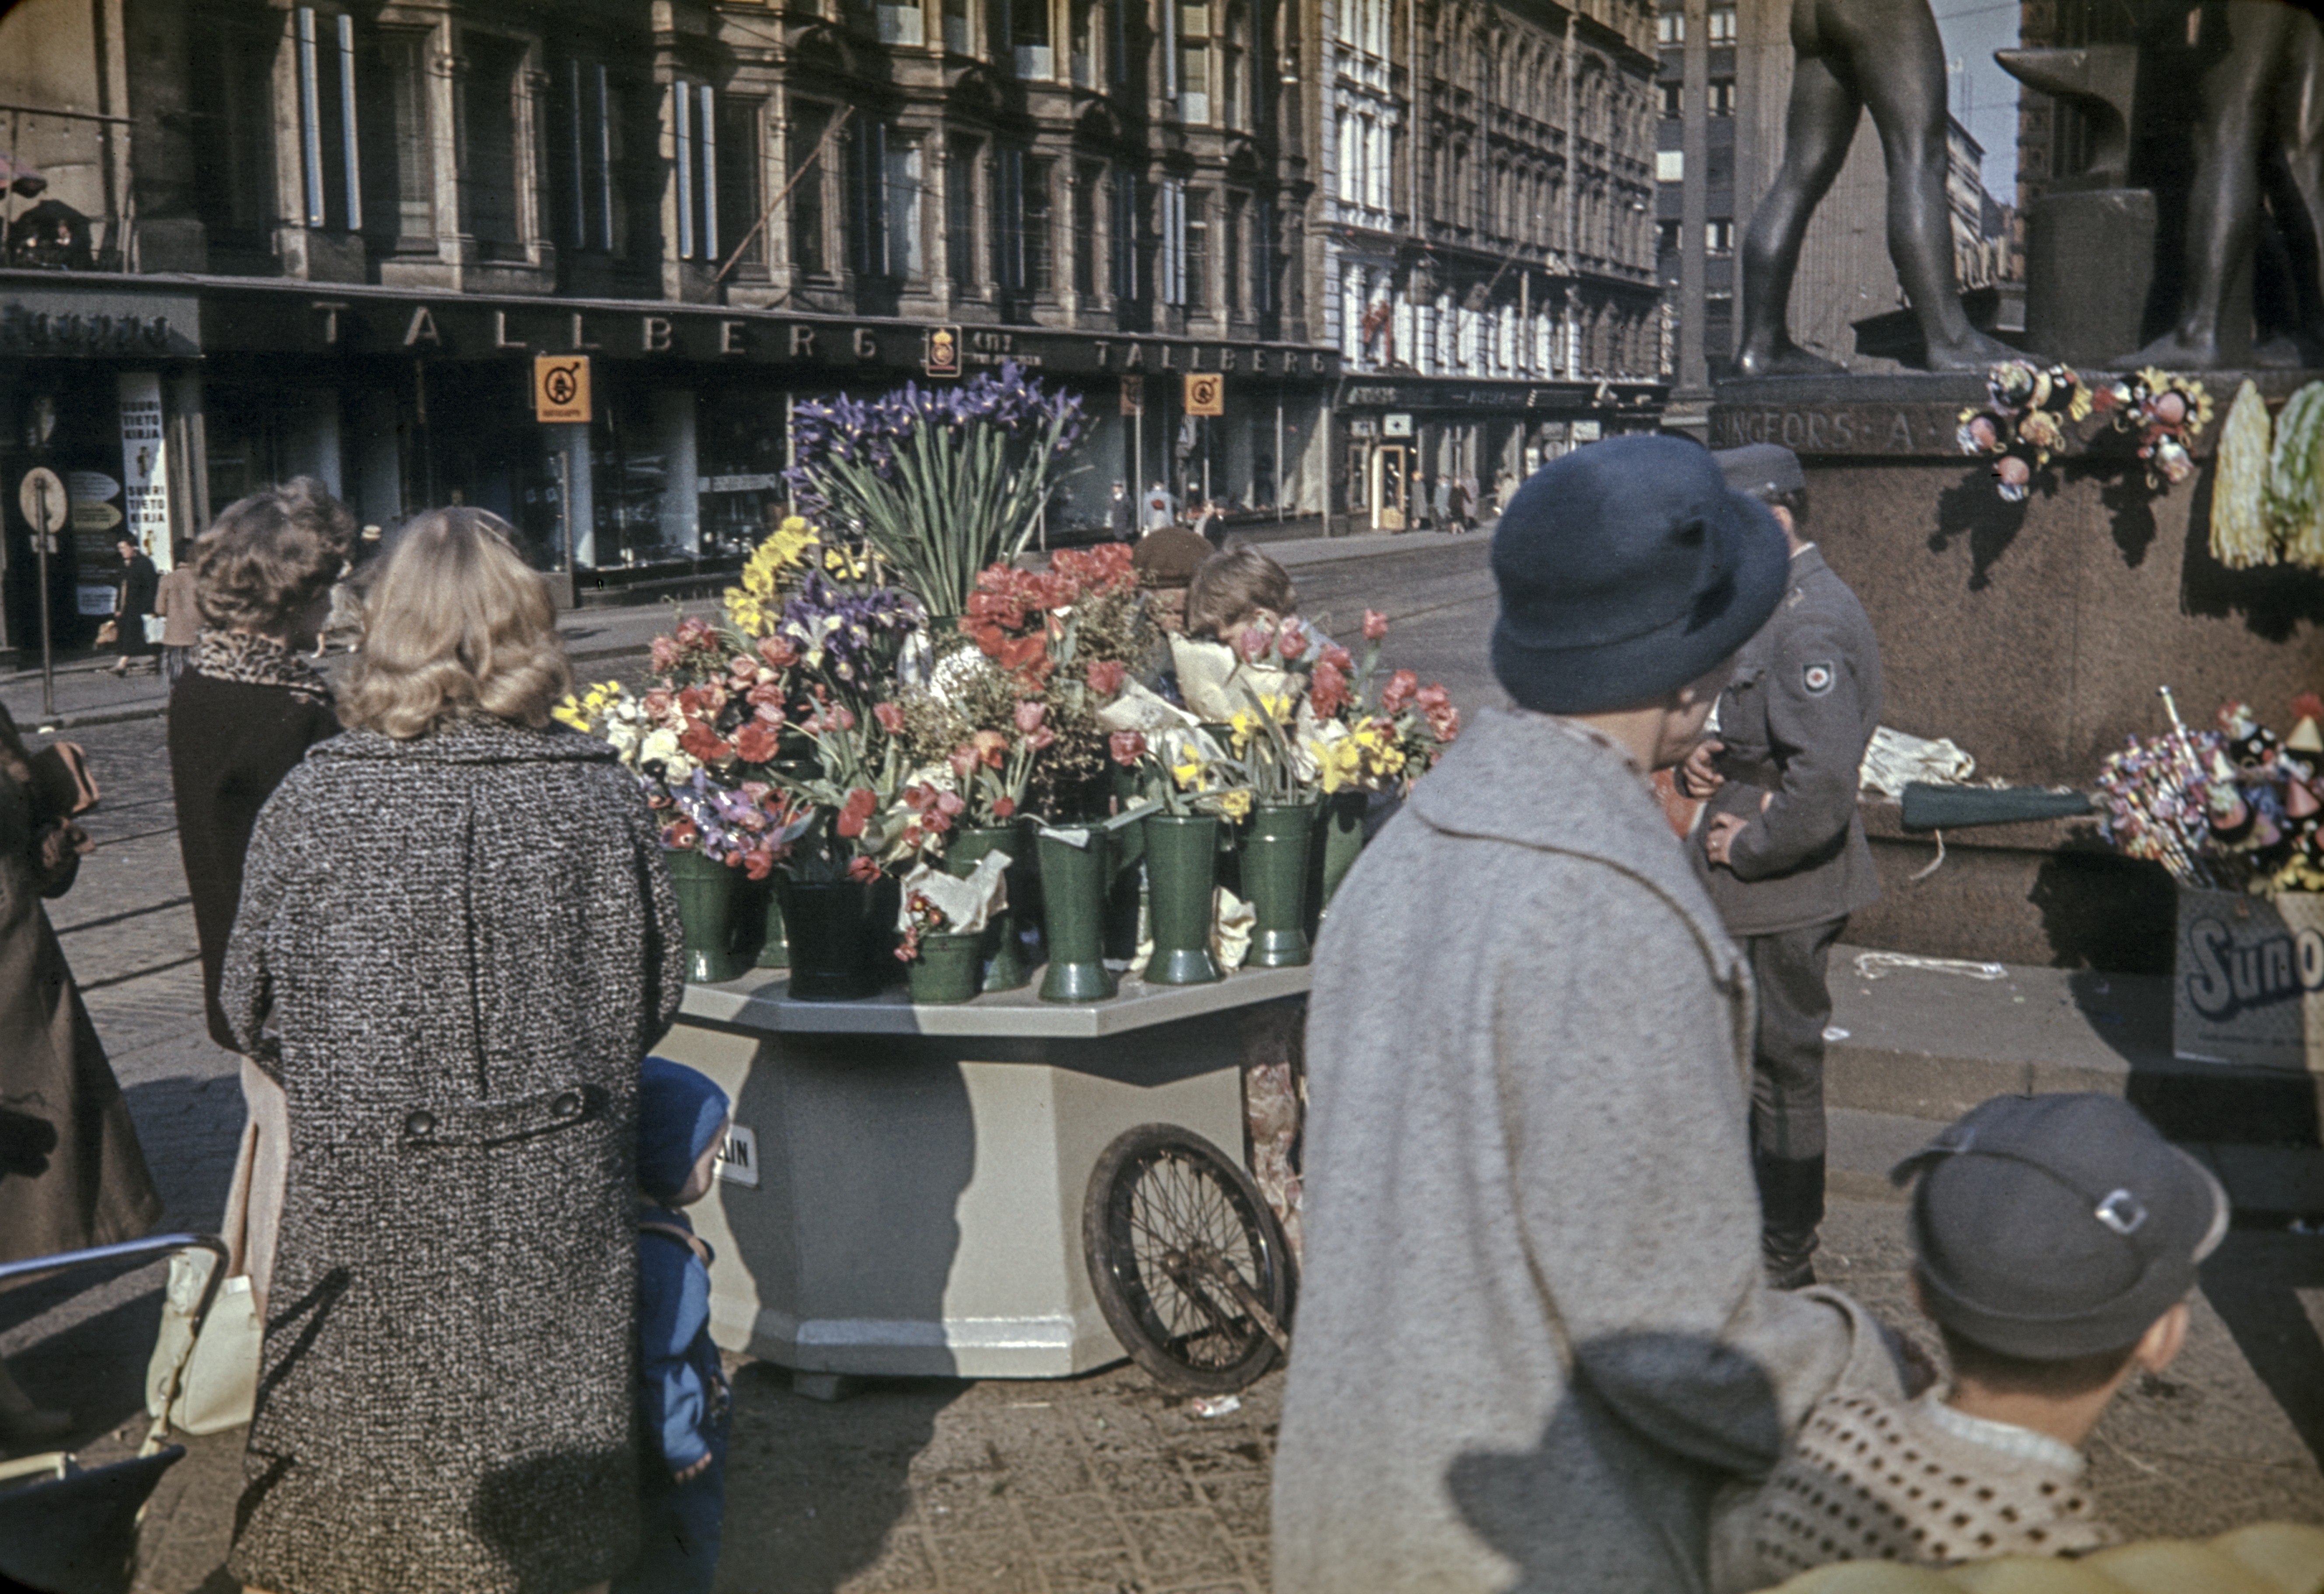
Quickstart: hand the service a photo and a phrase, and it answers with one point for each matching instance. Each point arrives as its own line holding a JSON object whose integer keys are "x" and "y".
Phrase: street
{"x": 1105, "y": 1483}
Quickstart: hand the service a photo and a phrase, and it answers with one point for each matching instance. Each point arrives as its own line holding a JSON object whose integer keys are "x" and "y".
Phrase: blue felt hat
{"x": 1628, "y": 568}
{"x": 678, "y": 1114}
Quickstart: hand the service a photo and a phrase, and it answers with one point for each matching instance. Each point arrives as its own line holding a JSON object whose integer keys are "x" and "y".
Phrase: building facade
{"x": 1480, "y": 253}
{"x": 333, "y": 239}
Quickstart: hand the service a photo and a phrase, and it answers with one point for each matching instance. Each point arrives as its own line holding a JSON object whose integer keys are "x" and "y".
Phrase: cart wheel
{"x": 1189, "y": 1267}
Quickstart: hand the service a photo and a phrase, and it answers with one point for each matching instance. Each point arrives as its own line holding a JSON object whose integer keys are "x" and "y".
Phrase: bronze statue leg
{"x": 1897, "y": 55}
{"x": 1818, "y": 125}
{"x": 2299, "y": 136}
{"x": 2223, "y": 205}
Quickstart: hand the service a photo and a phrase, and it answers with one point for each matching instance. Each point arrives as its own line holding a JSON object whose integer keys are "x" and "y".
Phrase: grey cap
{"x": 2048, "y": 1227}
{"x": 1763, "y": 470}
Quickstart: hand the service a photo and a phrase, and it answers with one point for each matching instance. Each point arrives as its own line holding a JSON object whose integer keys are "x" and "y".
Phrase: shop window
{"x": 956, "y": 28}
{"x": 960, "y": 213}
{"x": 1721, "y": 30}
{"x": 234, "y": 129}
{"x": 1087, "y": 179}
{"x": 1722, "y": 97}
{"x": 487, "y": 140}
{"x": 1197, "y": 229}
{"x": 1121, "y": 226}
{"x": 809, "y": 179}
{"x": 742, "y": 144}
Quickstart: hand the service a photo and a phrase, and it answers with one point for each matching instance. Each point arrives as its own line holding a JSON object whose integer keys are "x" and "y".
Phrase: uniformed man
{"x": 1780, "y": 847}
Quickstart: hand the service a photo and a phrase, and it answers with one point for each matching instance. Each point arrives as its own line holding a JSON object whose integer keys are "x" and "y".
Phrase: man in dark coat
{"x": 1121, "y": 515}
{"x": 1782, "y": 848}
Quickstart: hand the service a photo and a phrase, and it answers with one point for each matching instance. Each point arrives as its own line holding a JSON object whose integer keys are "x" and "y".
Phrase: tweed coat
{"x": 71, "y": 1173}
{"x": 453, "y": 952}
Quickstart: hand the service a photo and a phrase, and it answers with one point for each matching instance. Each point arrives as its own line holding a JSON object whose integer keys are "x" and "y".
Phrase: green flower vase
{"x": 705, "y": 912}
{"x": 949, "y": 967}
{"x": 1004, "y": 967}
{"x": 758, "y": 924}
{"x": 1074, "y": 881}
{"x": 837, "y": 939}
{"x": 1182, "y": 871}
{"x": 1274, "y": 858}
{"x": 1340, "y": 839}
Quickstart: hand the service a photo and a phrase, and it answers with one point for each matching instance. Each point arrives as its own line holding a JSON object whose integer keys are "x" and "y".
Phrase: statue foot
{"x": 1784, "y": 359}
{"x": 2175, "y": 351}
{"x": 1974, "y": 351}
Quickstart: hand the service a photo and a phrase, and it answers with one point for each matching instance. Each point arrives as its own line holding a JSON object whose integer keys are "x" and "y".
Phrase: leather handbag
{"x": 108, "y": 634}
{"x": 213, "y": 1385}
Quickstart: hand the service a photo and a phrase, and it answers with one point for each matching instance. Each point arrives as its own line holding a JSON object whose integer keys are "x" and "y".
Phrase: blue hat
{"x": 678, "y": 1114}
{"x": 1628, "y": 568}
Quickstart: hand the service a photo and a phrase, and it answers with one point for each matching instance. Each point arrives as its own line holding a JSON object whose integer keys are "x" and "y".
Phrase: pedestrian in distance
{"x": 2055, "y": 1243}
{"x": 1161, "y": 507}
{"x": 242, "y": 716}
{"x": 1457, "y": 498}
{"x": 682, "y": 1124}
{"x": 1782, "y": 848}
{"x": 180, "y": 614}
{"x": 457, "y": 943}
{"x": 133, "y": 601}
{"x": 1121, "y": 515}
{"x": 1534, "y": 1333}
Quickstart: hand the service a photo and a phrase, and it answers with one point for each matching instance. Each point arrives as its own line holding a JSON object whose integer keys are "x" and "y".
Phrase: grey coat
{"x": 453, "y": 952}
{"x": 1533, "y": 1337}
{"x": 1796, "y": 718}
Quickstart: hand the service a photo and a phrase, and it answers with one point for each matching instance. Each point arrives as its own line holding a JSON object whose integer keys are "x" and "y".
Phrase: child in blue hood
{"x": 682, "y": 1123}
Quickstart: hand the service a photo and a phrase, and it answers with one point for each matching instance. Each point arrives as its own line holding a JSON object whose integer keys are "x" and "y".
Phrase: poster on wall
{"x": 144, "y": 470}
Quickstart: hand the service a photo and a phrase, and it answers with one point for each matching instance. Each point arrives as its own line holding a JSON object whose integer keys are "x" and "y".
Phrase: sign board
{"x": 43, "y": 499}
{"x": 942, "y": 357}
{"x": 2248, "y": 983}
{"x": 94, "y": 516}
{"x": 95, "y": 600}
{"x": 1133, "y": 395}
{"x": 1363, "y": 427}
{"x": 145, "y": 466}
{"x": 560, "y": 390}
{"x": 1206, "y": 393}
{"x": 1586, "y": 431}
{"x": 92, "y": 487}
{"x": 738, "y": 1159}
{"x": 1396, "y": 426}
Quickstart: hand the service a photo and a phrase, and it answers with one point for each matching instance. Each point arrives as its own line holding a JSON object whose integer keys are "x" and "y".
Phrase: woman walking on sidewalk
{"x": 133, "y": 601}
{"x": 241, "y": 717}
{"x": 456, "y": 941}
{"x": 180, "y": 610}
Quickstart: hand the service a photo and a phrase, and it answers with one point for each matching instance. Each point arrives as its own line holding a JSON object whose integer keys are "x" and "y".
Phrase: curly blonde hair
{"x": 455, "y": 622}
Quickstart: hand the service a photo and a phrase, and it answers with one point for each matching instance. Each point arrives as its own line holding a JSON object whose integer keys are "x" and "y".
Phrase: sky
{"x": 1984, "y": 97}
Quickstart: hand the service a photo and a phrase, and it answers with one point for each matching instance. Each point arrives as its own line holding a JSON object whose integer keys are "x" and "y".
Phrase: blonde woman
{"x": 456, "y": 942}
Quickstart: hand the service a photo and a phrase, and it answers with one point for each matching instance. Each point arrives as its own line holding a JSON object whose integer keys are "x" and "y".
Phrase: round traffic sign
{"x": 43, "y": 499}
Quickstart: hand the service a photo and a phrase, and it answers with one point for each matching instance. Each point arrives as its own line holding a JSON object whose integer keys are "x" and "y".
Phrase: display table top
{"x": 763, "y": 1002}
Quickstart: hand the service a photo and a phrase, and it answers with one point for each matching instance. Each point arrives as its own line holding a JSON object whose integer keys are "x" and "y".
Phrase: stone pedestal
{"x": 2033, "y": 634}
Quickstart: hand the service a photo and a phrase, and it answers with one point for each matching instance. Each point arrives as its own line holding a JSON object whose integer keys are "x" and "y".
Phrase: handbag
{"x": 156, "y": 627}
{"x": 212, "y": 1384}
{"x": 108, "y": 634}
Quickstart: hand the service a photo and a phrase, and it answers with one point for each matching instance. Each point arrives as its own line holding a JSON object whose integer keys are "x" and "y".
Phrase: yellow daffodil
{"x": 1241, "y": 726}
{"x": 1278, "y": 707}
{"x": 1188, "y": 771}
{"x": 754, "y": 606}
{"x": 569, "y": 713}
{"x": 1235, "y": 805}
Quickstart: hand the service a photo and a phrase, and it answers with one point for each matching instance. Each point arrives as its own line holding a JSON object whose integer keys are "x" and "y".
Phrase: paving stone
{"x": 1179, "y": 1546}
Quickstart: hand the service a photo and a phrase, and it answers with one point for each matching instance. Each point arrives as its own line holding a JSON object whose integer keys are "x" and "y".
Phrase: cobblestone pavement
{"x": 1104, "y": 1483}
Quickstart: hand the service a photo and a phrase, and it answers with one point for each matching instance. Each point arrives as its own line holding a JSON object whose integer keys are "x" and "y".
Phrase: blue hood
{"x": 678, "y": 1114}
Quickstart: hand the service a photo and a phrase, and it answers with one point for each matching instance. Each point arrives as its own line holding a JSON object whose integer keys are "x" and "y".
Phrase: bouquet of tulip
{"x": 1183, "y": 772}
{"x": 938, "y": 482}
{"x": 1371, "y": 734}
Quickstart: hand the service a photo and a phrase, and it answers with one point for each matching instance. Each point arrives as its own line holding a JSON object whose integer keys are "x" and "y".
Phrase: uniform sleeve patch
{"x": 1817, "y": 677}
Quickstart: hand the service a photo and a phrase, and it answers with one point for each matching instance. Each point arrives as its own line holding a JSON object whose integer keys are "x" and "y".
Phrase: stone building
{"x": 335, "y": 238}
{"x": 1481, "y": 255}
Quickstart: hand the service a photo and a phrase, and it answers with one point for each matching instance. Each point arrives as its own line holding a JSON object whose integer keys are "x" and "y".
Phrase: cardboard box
{"x": 2248, "y": 988}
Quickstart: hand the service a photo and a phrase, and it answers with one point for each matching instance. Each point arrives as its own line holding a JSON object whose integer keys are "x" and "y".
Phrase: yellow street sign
{"x": 560, "y": 389}
{"x": 1206, "y": 393}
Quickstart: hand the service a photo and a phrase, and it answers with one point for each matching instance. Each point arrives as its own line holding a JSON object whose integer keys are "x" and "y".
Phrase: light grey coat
{"x": 1533, "y": 1341}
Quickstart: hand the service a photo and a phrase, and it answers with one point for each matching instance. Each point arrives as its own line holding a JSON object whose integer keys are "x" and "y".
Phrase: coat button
{"x": 420, "y": 1125}
{"x": 567, "y": 1105}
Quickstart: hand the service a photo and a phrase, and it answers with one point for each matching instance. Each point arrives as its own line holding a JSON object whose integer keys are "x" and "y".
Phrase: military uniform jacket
{"x": 1795, "y": 719}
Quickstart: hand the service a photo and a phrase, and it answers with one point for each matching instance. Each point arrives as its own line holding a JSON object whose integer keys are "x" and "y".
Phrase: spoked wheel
{"x": 1189, "y": 1266}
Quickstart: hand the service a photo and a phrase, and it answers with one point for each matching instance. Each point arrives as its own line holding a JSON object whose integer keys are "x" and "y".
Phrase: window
{"x": 1028, "y": 37}
{"x": 1343, "y": 137}
{"x": 1122, "y": 225}
{"x": 1232, "y": 254}
{"x": 741, "y": 139}
{"x": 1674, "y": 98}
{"x": 1021, "y": 222}
{"x": 1235, "y": 111}
{"x": 810, "y": 251}
{"x": 1263, "y": 256}
{"x": 1194, "y": 61}
{"x": 956, "y": 28}
{"x": 1670, "y": 165}
{"x": 1376, "y": 138}
{"x": 1086, "y": 182}
{"x": 233, "y": 146}
{"x": 1198, "y": 250}
{"x": 1037, "y": 247}
{"x": 694, "y": 135}
{"x": 1085, "y": 44}
{"x": 1719, "y": 237}
{"x": 1722, "y": 24}
{"x": 1170, "y": 259}
{"x": 960, "y": 212}
{"x": 898, "y": 23}
{"x": 900, "y": 204}
{"x": 487, "y": 139}
{"x": 1670, "y": 28}
{"x": 1722, "y": 97}
{"x": 1666, "y": 237}
{"x": 330, "y": 161}
{"x": 399, "y": 156}
{"x": 867, "y": 208}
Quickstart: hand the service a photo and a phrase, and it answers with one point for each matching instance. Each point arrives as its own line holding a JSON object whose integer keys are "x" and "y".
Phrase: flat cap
{"x": 1763, "y": 470}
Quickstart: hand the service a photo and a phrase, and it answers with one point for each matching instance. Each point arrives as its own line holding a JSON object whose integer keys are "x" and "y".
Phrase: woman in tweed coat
{"x": 456, "y": 942}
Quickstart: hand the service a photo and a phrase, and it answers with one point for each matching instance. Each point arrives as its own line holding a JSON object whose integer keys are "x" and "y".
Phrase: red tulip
{"x": 1105, "y": 677}
{"x": 890, "y": 718}
{"x": 1127, "y": 747}
{"x": 1375, "y": 625}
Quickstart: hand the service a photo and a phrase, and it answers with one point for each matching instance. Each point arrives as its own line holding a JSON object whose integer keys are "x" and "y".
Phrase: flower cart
{"x": 1000, "y": 952}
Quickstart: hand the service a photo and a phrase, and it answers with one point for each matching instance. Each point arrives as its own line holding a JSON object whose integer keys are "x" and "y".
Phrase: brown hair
{"x": 455, "y": 622}
{"x": 270, "y": 556}
{"x": 1228, "y": 586}
{"x": 2063, "y": 1379}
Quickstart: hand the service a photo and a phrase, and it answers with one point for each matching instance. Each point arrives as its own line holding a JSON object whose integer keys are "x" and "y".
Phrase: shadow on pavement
{"x": 814, "y": 1488}
{"x": 2252, "y": 1281}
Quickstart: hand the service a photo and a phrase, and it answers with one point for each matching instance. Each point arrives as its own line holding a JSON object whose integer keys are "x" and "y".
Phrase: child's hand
{"x": 696, "y": 1470}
